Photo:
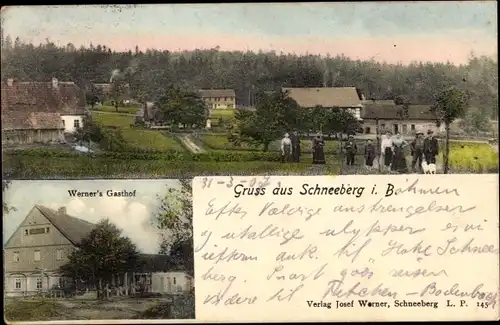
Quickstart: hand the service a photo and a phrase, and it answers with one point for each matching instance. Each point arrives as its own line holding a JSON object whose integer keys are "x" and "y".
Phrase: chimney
{"x": 55, "y": 82}
{"x": 10, "y": 82}
{"x": 62, "y": 210}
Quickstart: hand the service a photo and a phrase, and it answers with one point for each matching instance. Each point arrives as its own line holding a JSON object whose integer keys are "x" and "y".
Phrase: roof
{"x": 154, "y": 263}
{"x": 391, "y": 112}
{"x": 74, "y": 229}
{"x": 38, "y": 105}
{"x": 216, "y": 93}
{"x": 325, "y": 97}
{"x": 31, "y": 120}
{"x": 389, "y": 102}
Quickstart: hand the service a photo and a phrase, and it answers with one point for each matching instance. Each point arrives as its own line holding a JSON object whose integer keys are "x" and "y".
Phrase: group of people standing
{"x": 290, "y": 148}
{"x": 421, "y": 149}
{"x": 392, "y": 150}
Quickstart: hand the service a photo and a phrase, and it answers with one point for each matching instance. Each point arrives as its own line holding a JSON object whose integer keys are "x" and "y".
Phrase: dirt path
{"x": 190, "y": 145}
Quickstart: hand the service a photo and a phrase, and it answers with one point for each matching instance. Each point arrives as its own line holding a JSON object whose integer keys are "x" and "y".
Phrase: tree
{"x": 183, "y": 107}
{"x": 275, "y": 114}
{"x": 404, "y": 104}
{"x": 449, "y": 104}
{"x": 117, "y": 91}
{"x": 89, "y": 132}
{"x": 102, "y": 254}
{"x": 6, "y": 208}
{"x": 175, "y": 218}
{"x": 476, "y": 120}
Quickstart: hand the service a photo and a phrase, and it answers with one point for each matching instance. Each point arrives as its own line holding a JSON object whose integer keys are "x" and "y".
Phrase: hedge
{"x": 83, "y": 166}
{"x": 149, "y": 154}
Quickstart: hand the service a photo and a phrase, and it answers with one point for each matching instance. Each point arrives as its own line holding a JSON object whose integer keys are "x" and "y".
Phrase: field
{"x": 135, "y": 137}
{"x": 109, "y": 108}
{"x": 224, "y": 115}
{"x": 472, "y": 157}
{"x": 78, "y": 309}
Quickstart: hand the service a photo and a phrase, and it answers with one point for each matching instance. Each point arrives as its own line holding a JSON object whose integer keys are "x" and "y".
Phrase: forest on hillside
{"x": 151, "y": 72}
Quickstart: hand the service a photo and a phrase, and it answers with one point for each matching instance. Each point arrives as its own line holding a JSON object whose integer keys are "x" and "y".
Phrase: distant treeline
{"x": 151, "y": 72}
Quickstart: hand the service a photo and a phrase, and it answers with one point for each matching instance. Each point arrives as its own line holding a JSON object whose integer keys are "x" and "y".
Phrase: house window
{"x": 18, "y": 284}
{"x": 64, "y": 123}
{"x": 225, "y": 98}
{"x": 59, "y": 254}
{"x": 16, "y": 257}
{"x": 62, "y": 282}
{"x": 412, "y": 127}
{"x": 405, "y": 128}
{"x": 39, "y": 283}
{"x": 47, "y": 230}
{"x": 76, "y": 123}
{"x": 36, "y": 257}
{"x": 175, "y": 280}
{"x": 367, "y": 130}
{"x": 26, "y": 232}
{"x": 382, "y": 126}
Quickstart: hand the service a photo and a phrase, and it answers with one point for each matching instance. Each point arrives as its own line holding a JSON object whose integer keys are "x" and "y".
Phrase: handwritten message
{"x": 347, "y": 248}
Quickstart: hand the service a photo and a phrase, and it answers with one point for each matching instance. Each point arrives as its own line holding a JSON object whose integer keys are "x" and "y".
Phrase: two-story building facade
{"x": 38, "y": 248}
{"x": 42, "y": 243}
{"x": 218, "y": 98}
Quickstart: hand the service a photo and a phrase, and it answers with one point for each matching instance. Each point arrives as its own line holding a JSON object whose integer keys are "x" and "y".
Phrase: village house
{"x": 218, "y": 98}
{"x": 328, "y": 97}
{"x": 40, "y": 111}
{"x": 42, "y": 242}
{"x": 390, "y": 117}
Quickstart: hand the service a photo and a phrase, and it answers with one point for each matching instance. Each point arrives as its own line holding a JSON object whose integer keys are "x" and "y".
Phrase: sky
{"x": 382, "y": 31}
{"x": 132, "y": 215}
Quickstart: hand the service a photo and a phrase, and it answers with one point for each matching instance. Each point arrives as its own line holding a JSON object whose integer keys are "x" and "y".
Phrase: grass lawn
{"x": 138, "y": 138}
{"x": 226, "y": 115}
{"x": 117, "y": 120}
{"x": 23, "y": 310}
{"x": 126, "y": 109}
{"x": 135, "y": 137}
{"x": 222, "y": 113}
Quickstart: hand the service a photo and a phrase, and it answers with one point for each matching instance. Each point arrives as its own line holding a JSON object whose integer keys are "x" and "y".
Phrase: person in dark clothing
{"x": 369, "y": 153}
{"x": 398, "y": 158}
{"x": 417, "y": 151}
{"x": 431, "y": 148}
{"x": 350, "y": 150}
{"x": 295, "y": 146}
{"x": 318, "y": 146}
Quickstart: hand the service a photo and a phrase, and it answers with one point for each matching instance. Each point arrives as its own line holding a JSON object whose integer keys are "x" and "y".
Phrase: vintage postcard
{"x": 98, "y": 250}
{"x": 347, "y": 248}
{"x": 176, "y": 91}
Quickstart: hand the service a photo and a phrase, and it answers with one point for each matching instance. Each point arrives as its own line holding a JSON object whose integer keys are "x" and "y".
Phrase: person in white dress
{"x": 386, "y": 150}
{"x": 286, "y": 148}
